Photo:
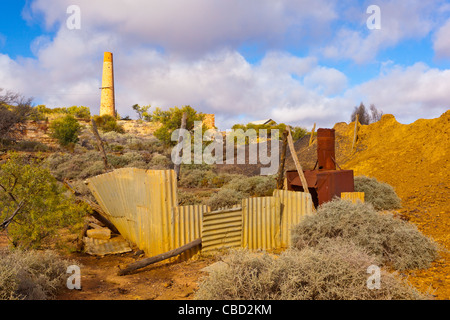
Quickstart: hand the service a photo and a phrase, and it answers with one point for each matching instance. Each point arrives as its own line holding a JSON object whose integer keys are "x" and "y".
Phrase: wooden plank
{"x": 100, "y": 145}
{"x": 183, "y": 126}
{"x": 355, "y": 135}
{"x": 298, "y": 166}
{"x": 280, "y": 179}
{"x": 312, "y": 134}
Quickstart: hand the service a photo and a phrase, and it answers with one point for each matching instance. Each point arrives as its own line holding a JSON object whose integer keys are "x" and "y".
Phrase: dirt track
{"x": 162, "y": 281}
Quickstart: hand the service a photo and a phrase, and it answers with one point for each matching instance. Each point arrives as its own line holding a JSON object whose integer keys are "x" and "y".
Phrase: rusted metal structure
{"x": 142, "y": 205}
{"x": 324, "y": 181}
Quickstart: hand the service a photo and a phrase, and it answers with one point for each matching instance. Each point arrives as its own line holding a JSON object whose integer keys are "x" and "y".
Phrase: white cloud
{"x": 67, "y": 71}
{"x": 400, "y": 20}
{"x": 196, "y": 26}
{"x": 441, "y": 43}
{"x": 328, "y": 81}
{"x": 409, "y": 93}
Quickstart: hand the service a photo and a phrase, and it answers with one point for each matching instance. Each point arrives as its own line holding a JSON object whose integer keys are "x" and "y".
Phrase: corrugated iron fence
{"x": 142, "y": 204}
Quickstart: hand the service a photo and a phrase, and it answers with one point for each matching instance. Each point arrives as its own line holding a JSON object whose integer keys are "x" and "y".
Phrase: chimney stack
{"x": 326, "y": 149}
{"x": 107, "y": 103}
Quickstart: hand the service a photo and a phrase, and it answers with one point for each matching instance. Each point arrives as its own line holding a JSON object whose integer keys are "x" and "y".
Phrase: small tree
{"x": 14, "y": 110}
{"x": 65, "y": 130}
{"x": 375, "y": 114}
{"x": 33, "y": 205}
{"x": 364, "y": 117}
{"x": 171, "y": 120}
{"x": 142, "y": 112}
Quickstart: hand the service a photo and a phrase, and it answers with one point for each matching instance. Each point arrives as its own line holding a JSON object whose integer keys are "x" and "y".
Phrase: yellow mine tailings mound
{"x": 414, "y": 159}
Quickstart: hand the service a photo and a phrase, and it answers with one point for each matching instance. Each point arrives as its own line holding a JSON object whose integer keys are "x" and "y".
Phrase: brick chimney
{"x": 107, "y": 103}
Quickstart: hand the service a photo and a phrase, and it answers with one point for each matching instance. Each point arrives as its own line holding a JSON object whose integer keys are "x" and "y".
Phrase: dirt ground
{"x": 161, "y": 281}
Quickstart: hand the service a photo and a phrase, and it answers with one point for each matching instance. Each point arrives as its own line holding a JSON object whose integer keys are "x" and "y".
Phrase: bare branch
{"x": 7, "y": 221}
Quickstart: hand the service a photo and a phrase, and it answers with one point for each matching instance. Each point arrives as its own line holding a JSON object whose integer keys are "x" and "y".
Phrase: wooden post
{"x": 179, "y": 151}
{"x": 163, "y": 256}
{"x": 355, "y": 135}
{"x": 296, "y": 161}
{"x": 312, "y": 134}
{"x": 100, "y": 145}
{"x": 280, "y": 179}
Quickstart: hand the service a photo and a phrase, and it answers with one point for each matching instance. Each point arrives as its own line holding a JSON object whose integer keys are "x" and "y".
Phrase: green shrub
{"x": 107, "y": 123}
{"x": 33, "y": 203}
{"x": 333, "y": 270}
{"x": 257, "y": 186}
{"x": 381, "y": 195}
{"x": 171, "y": 120}
{"x": 196, "y": 178}
{"x": 80, "y": 112}
{"x": 31, "y": 146}
{"x": 91, "y": 169}
{"x": 297, "y": 132}
{"x": 188, "y": 198}
{"x": 31, "y": 275}
{"x": 65, "y": 130}
{"x": 225, "y": 198}
{"x": 393, "y": 241}
{"x": 120, "y": 161}
{"x": 160, "y": 161}
{"x": 74, "y": 166}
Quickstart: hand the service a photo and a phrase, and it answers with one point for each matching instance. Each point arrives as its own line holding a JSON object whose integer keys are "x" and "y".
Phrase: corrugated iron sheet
{"x": 261, "y": 223}
{"x": 353, "y": 196}
{"x": 222, "y": 229}
{"x": 99, "y": 247}
{"x": 187, "y": 227}
{"x": 142, "y": 204}
{"x": 139, "y": 203}
{"x": 294, "y": 206}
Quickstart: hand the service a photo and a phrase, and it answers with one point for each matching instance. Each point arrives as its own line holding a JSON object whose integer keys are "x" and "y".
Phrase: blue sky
{"x": 295, "y": 61}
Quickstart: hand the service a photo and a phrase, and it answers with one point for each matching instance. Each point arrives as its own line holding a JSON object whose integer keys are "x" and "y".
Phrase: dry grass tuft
{"x": 381, "y": 195}
{"x": 31, "y": 275}
{"x": 333, "y": 270}
{"x": 393, "y": 241}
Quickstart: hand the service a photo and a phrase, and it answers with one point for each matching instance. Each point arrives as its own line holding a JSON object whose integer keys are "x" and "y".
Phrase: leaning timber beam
{"x": 160, "y": 257}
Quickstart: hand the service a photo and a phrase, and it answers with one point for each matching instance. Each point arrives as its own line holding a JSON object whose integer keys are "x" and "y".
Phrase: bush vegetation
{"x": 394, "y": 242}
{"x": 14, "y": 110}
{"x": 171, "y": 120}
{"x": 33, "y": 205}
{"x": 332, "y": 270}
{"x": 297, "y": 132}
{"x": 225, "y": 198}
{"x": 65, "y": 130}
{"x": 381, "y": 195}
{"x": 31, "y": 275}
{"x": 107, "y": 123}
{"x": 142, "y": 112}
{"x": 79, "y": 112}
